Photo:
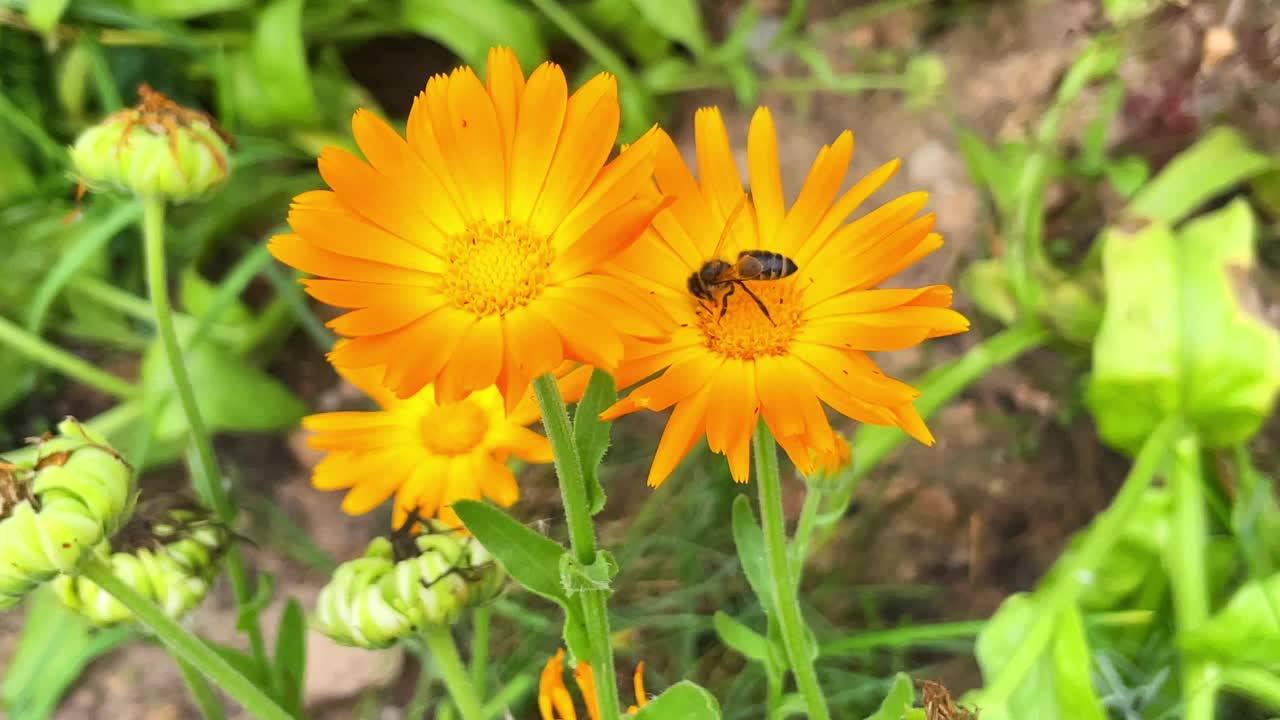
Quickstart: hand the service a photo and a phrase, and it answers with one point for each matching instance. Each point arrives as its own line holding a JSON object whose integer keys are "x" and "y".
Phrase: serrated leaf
{"x": 531, "y": 559}
{"x": 470, "y": 28}
{"x": 1216, "y": 163}
{"x": 744, "y": 640}
{"x": 678, "y": 20}
{"x": 578, "y": 578}
{"x": 682, "y": 701}
{"x": 749, "y": 541}
{"x": 900, "y": 697}
{"x": 592, "y": 434}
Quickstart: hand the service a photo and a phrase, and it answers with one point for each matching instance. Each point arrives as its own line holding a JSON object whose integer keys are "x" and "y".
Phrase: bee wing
{"x": 728, "y": 226}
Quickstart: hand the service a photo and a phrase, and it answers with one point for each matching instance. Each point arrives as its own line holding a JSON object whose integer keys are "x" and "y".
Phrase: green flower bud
{"x": 406, "y": 583}
{"x": 157, "y": 148}
{"x": 170, "y": 556}
{"x": 56, "y": 509}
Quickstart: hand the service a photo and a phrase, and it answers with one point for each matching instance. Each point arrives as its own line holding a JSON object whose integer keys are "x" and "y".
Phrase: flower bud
{"x": 55, "y": 509}
{"x": 169, "y": 556}
{"x": 157, "y": 148}
{"x": 406, "y": 583}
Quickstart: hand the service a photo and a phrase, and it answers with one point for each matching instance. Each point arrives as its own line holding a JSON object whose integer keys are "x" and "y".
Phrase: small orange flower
{"x": 430, "y": 454}
{"x": 468, "y": 251}
{"x": 780, "y": 344}
{"x": 554, "y": 701}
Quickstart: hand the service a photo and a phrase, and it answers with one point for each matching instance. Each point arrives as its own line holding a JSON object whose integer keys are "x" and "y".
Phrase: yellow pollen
{"x": 744, "y": 332}
{"x": 454, "y": 429}
{"x": 494, "y": 268}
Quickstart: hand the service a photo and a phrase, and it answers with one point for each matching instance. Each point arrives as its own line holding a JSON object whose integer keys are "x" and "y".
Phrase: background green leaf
{"x": 470, "y": 28}
{"x": 685, "y": 701}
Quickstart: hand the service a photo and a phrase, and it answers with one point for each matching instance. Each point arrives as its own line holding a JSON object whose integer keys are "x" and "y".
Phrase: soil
{"x": 1017, "y": 467}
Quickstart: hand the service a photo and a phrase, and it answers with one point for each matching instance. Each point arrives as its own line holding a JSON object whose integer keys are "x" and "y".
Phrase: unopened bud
{"x": 404, "y": 584}
{"x": 57, "y": 508}
{"x": 157, "y": 148}
{"x": 169, "y": 556}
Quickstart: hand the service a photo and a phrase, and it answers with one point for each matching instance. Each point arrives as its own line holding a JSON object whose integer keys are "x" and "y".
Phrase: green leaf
{"x": 86, "y": 244}
{"x": 682, "y": 701}
{"x": 197, "y": 296}
{"x": 1216, "y": 163}
{"x": 901, "y": 696}
{"x": 1058, "y": 686}
{"x": 232, "y": 395}
{"x": 270, "y": 81}
{"x": 247, "y": 614}
{"x": 241, "y": 661}
{"x": 749, "y": 541}
{"x": 744, "y": 640}
{"x": 578, "y": 578}
{"x": 1123, "y": 11}
{"x": 182, "y": 9}
{"x": 1247, "y": 630}
{"x": 1179, "y": 334}
{"x": 44, "y": 15}
{"x": 1126, "y": 174}
{"x": 531, "y": 559}
{"x": 1134, "y": 563}
{"x": 996, "y": 168}
{"x": 678, "y": 20}
{"x": 291, "y": 657}
{"x": 592, "y": 434}
{"x": 470, "y": 28}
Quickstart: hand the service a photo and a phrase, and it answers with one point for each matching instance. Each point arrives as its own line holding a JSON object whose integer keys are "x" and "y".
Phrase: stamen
{"x": 494, "y": 268}
{"x": 744, "y": 331}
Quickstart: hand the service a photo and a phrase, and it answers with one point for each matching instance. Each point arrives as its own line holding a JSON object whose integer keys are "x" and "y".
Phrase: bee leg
{"x": 724, "y": 300}
{"x": 759, "y": 304}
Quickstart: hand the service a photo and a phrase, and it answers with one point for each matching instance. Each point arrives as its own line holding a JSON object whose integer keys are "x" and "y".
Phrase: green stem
{"x": 17, "y": 338}
{"x": 444, "y": 653}
{"x": 185, "y": 645}
{"x": 805, "y": 526}
{"x": 1077, "y": 565}
{"x": 1261, "y": 685}
{"x": 577, "y": 513}
{"x": 480, "y": 618}
{"x": 1188, "y": 576}
{"x": 790, "y": 621}
{"x": 201, "y": 693}
{"x": 204, "y": 465}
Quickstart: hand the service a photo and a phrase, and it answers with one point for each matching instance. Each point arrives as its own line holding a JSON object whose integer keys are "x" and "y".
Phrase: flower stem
{"x": 577, "y": 512}
{"x": 1188, "y": 577}
{"x": 1098, "y": 541}
{"x": 444, "y": 653}
{"x": 790, "y": 621}
{"x": 1259, "y": 684}
{"x": 23, "y": 341}
{"x": 204, "y": 466}
{"x": 186, "y": 646}
{"x": 480, "y": 647}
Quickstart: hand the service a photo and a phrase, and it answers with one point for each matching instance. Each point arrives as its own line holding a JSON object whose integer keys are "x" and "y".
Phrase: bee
{"x": 717, "y": 279}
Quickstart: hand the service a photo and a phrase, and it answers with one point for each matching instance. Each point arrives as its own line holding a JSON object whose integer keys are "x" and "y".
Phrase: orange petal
{"x": 820, "y": 188}
{"x": 419, "y": 353}
{"x": 590, "y": 130}
{"x": 538, "y": 126}
{"x": 505, "y": 82}
{"x": 610, "y": 236}
{"x": 686, "y": 424}
{"x": 497, "y": 483}
{"x": 618, "y": 184}
{"x": 415, "y": 183}
{"x": 296, "y": 251}
{"x": 476, "y": 362}
{"x": 842, "y": 208}
{"x": 721, "y": 182}
{"x": 766, "y": 176}
{"x": 474, "y": 123}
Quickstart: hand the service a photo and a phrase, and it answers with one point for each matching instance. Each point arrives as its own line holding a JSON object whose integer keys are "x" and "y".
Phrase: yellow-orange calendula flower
{"x": 554, "y": 701}
{"x": 798, "y": 335}
{"x": 468, "y": 251}
{"x": 428, "y": 453}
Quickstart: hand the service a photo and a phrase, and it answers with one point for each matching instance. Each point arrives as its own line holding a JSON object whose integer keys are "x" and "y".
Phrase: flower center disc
{"x": 494, "y": 268}
{"x": 745, "y": 332}
{"x": 454, "y": 429}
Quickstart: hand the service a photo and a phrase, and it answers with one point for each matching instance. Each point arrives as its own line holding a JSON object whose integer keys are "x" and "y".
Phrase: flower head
{"x": 430, "y": 454}
{"x": 406, "y": 583}
{"x": 554, "y": 701}
{"x": 468, "y": 251}
{"x": 155, "y": 148}
{"x": 55, "y": 509}
{"x": 169, "y": 552}
{"x": 785, "y": 322}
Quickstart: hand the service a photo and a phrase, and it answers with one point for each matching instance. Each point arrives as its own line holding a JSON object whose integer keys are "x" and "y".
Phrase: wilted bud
{"x": 406, "y": 583}
{"x": 54, "y": 510}
{"x": 831, "y": 467}
{"x": 169, "y": 555}
{"x": 157, "y": 148}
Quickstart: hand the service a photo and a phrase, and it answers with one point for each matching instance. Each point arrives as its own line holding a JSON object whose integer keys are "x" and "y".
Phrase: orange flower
{"x": 430, "y": 454}
{"x": 554, "y": 701}
{"x": 780, "y": 347}
{"x": 468, "y": 251}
